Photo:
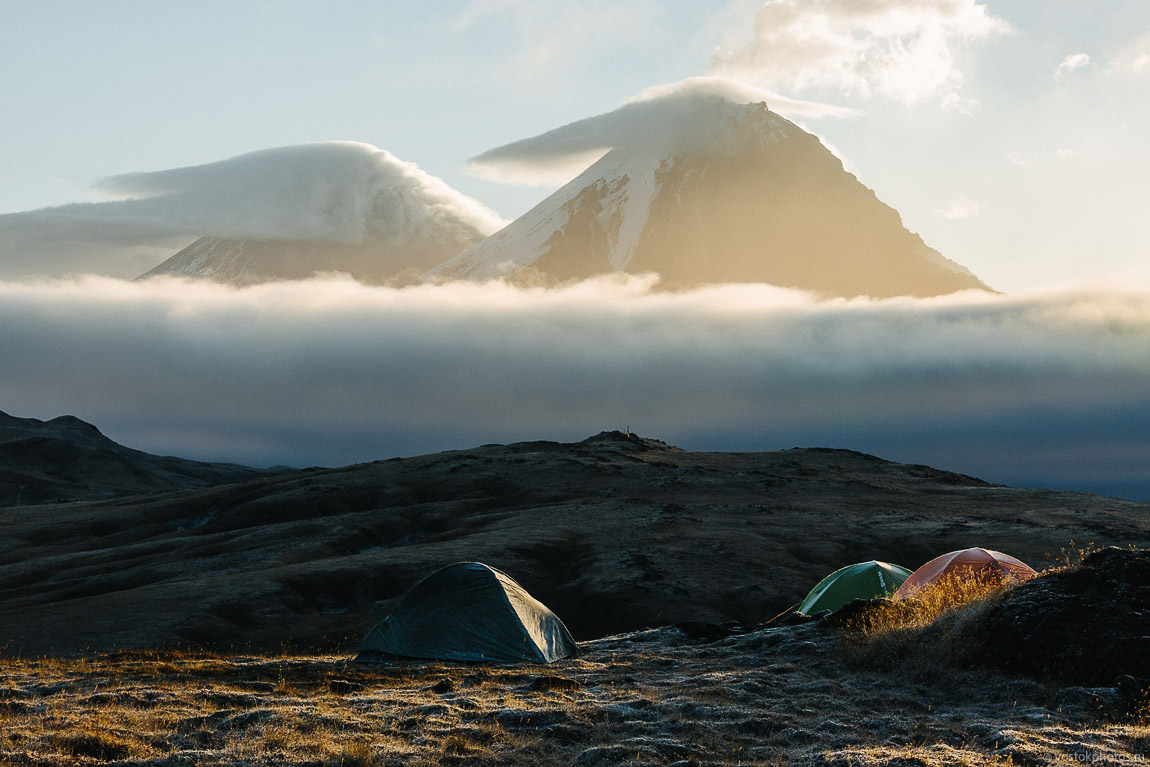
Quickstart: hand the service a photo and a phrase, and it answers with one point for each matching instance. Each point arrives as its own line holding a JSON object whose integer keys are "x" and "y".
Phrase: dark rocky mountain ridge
{"x": 67, "y": 459}
{"x": 614, "y": 533}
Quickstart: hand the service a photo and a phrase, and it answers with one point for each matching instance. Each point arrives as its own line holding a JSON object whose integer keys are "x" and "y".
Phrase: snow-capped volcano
{"x": 291, "y": 212}
{"x": 703, "y": 189}
{"x": 250, "y": 261}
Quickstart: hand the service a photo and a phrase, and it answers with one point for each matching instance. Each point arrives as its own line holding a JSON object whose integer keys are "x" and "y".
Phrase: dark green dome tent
{"x": 866, "y": 580}
{"x": 470, "y": 612}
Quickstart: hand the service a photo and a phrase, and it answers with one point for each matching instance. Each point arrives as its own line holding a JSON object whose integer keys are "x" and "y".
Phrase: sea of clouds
{"x": 1048, "y": 389}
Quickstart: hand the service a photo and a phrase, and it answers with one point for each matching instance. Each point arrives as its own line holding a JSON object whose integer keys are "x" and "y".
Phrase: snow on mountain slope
{"x": 245, "y": 262}
{"x": 334, "y": 207}
{"x": 607, "y": 204}
{"x": 703, "y": 189}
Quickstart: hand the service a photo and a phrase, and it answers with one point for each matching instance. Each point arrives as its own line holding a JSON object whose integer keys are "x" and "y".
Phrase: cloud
{"x": 1132, "y": 58}
{"x": 663, "y": 119}
{"x": 900, "y": 49}
{"x": 332, "y": 372}
{"x": 335, "y": 191}
{"x": 1071, "y": 63}
{"x": 961, "y": 207}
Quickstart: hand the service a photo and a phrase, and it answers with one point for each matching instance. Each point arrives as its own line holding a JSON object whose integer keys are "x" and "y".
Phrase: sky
{"x": 1009, "y": 134}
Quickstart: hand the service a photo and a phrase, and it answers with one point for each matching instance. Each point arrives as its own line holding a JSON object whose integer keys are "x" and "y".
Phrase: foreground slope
{"x": 777, "y": 696}
{"x": 67, "y": 459}
{"x": 613, "y": 533}
{"x": 719, "y": 192}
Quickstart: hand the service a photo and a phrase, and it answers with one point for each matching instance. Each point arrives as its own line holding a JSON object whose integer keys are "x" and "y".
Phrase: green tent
{"x": 866, "y": 580}
{"x": 470, "y": 612}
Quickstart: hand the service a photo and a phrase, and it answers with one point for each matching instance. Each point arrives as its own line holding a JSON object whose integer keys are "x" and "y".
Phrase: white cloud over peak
{"x": 901, "y": 49}
{"x": 339, "y": 191}
{"x": 661, "y": 119}
{"x": 740, "y": 93}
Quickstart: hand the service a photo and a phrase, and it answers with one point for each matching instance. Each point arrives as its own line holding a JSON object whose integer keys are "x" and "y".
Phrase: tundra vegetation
{"x": 879, "y": 683}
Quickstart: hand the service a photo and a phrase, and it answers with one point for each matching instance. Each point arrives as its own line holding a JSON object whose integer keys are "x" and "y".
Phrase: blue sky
{"x": 103, "y": 90}
{"x": 1029, "y": 170}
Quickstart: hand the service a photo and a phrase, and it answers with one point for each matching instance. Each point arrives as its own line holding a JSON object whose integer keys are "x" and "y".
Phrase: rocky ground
{"x": 214, "y": 626}
{"x": 809, "y": 692}
{"x": 616, "y": 533}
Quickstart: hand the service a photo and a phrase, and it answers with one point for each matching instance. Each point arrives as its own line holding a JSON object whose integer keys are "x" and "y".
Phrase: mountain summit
{"x": 291, "y": 212}
{"x": 701, "y": 190}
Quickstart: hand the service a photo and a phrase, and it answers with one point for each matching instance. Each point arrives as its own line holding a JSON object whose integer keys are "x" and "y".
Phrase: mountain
{"x": 291, "y": 212}
{"x": 246, "y": 262}
{"x": 614, "y": 533}
{"x": 66, "y": 459}
{"x": 750, "y": 197}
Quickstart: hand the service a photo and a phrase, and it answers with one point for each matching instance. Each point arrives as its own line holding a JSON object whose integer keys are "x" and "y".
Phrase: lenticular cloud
{"x": 335, "y": 191}
{"x": 665, "y": 120}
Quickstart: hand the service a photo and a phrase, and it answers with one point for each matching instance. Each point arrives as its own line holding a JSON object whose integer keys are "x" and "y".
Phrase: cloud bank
{"x": 664, "y": 120}
{"x": 901, "y": 49}
{"x": 335, "y": 191}
{"x": 1048, "y": 390}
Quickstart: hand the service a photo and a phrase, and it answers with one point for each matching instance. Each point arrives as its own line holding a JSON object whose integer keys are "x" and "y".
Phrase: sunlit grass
{"x": 870, "y": 693}
{"x": 262, "y": 710}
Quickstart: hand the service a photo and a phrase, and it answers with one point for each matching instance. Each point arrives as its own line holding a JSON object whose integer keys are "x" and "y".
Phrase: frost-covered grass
{"x": 775, "y": 696}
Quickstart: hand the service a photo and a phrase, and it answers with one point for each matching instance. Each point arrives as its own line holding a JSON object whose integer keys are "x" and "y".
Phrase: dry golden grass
{"x": 892, "y": 634}
{"x": 777, "y": 696}
{"x": 1071, "y": 555}
{"x": 161, "y": 708}
{"x": 953, "y": 592}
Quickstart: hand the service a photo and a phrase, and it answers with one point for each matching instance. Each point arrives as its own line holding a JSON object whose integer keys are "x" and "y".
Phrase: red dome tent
{"x": 973, "y": 563}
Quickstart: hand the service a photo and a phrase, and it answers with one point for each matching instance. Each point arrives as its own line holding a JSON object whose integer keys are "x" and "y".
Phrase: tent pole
{"x": 784, "y": 612}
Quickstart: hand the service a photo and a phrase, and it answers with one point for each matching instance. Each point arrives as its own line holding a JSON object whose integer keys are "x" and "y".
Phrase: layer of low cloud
{"x": 900, "y": 49}
{"x": 334, "y": 191}
{"x": 663, "y": 119}
{"x": 333, "y": 372}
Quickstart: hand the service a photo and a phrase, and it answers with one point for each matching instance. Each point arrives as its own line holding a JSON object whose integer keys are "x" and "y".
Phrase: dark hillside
{"x": 614, "y": 533}
{"x": 66, "y": 459}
